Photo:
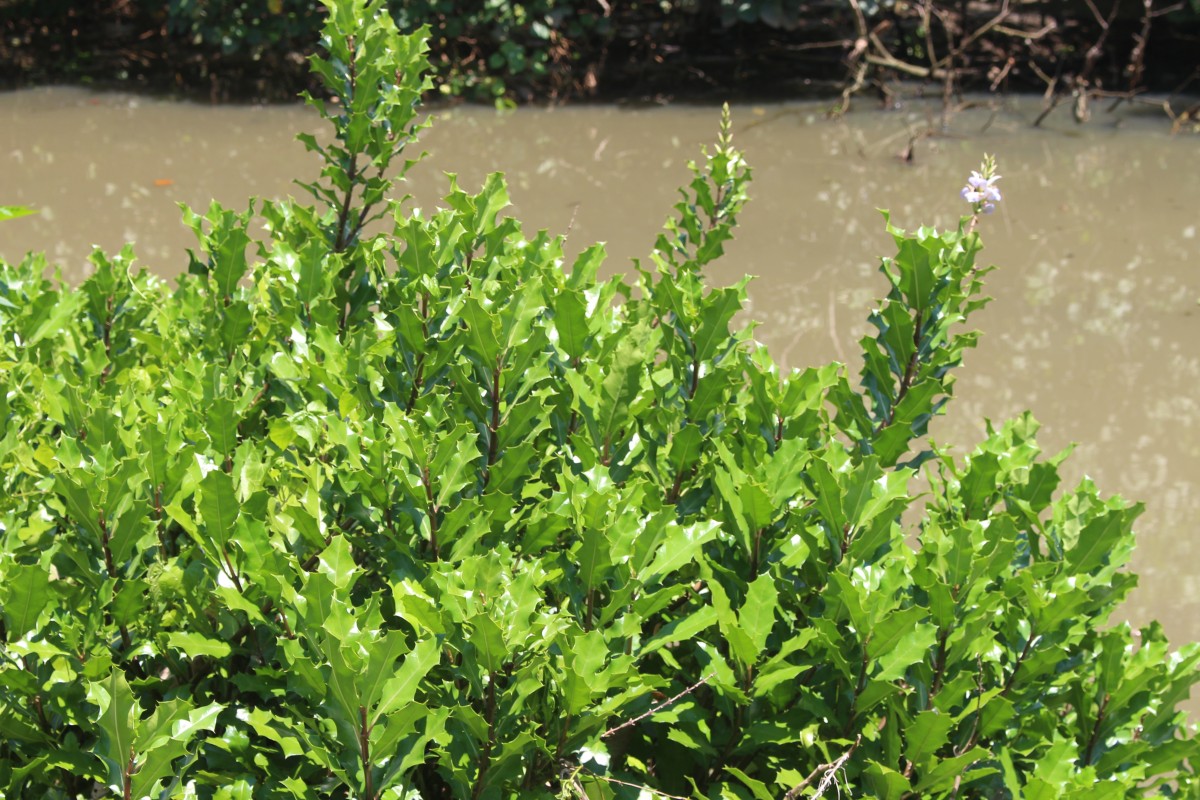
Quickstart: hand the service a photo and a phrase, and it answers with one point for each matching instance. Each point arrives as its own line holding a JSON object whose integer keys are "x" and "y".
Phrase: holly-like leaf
{"x": 1098, "y": 537}
{"x": 928, "y": 733}
{"x": 570, "y": 321}
{"x": 26, "y": 593}
{"x": 218, "y": 507}
{"x": 757, "y": 614}
{"x": 194, "y": 645}
{"x": 401, "y": 689}
{"x": 163, "y": 740}
{"x": 911, "y": 649}
{"x": 337, "y": 563}
{"x": 117, "y": 713}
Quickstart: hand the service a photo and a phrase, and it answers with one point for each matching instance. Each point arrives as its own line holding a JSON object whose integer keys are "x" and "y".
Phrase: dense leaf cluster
{"x": 424, "y": 514}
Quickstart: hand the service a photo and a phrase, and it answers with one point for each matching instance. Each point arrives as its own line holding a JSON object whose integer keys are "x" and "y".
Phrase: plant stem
{"x": 233, "y": 574}
{"x": 493, "y": 443}
{"x": 695, "y": 375}
{"x": 158, "y": 520}
{"x": 858, "y": 688}
{"x": 342, "y": 240}
{"x": 974, "y": 737}
{"x": 43, "y": 723}
{"x": 127, "y": 779}
{"x": 910, "y": 374}
{"x": 111, "y": 567}
{"x": 676, "y": 488}
{"x": 485, "y": 759}
{"x": 431, "y": 511}
{"x": 939, "y": 664}
{"x": 1091, "y": 745}
{"x": 1012, "y": 676}
{"x": 420, "y": 371}
{"x": 107, "y": 326}
{"x": 562, "y": 739}
{"x": 364, "y": 752}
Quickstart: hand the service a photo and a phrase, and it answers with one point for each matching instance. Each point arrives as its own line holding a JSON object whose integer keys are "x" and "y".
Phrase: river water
{"x": 1095, "y": 324}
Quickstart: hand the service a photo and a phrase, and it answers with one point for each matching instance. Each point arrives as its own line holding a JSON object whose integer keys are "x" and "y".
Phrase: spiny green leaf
{"x": 593, "y": 555}
{"x": 1098, "y": 537}
{"x": 80, "y": 504}
{"x": 910, "y": 650}
{"x": 194, "y": 645}
{"x": 570, "y": 321}
{"x": 117, "y": 714}
{"x": 488, "y": 639}
{"x": 680, "y": 546}
{"x": 222, "y": 426}
{"x": 218, "y": 508}
{"x": 685, "y": 448}
{"x": 928, "y": 733}
{"x": 400, "y": 690}
{"x": 337, "y": 562}
{"x": 26, "y": 592}
{"x": 757, "y": 614}
{"x": 158, "y": 759}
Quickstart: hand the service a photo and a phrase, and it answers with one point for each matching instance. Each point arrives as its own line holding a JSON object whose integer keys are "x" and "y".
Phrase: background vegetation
{"x": 553, "y": 49}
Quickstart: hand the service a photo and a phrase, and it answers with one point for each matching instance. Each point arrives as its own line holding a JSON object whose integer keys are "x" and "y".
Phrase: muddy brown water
{"x": 1095, "y": 324}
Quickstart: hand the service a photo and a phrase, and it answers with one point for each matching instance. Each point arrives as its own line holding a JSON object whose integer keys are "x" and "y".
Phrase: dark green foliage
{"x": 422, "y": 513}
{"x": 549, "y": 50}
{"x": 481, "y": 50}
{"x": 244, "y": 25}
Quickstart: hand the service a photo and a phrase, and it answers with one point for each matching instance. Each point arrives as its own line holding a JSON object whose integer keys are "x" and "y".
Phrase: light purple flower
{"x": 981, "y": 191}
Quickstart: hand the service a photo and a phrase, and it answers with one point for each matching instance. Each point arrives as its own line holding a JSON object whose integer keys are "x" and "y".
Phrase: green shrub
{"x": 423, "y": 513}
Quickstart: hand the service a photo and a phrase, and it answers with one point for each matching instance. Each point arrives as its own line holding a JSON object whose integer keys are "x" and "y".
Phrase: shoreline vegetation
{"x": 1083, "y": 55}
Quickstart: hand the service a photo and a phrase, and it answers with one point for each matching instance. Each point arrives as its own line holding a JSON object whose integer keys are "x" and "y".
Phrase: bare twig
{"x": 860, "y": 80}
{"x": 1137, "y": 58}
{"x": 1049, "y": 80}
{"x": 1003, "y": 73}
{"x": 891, "y": 62}
{"x": 1096, "y": 13}
{"x": 1050, "y": 26}
{"x": 1082, "y": 81}
{"x": 656, "y": 792}
{"x": 926, "y": 15}
{"x": 655, "y": 709}
{"x": 826, "y": 771}
{"x": 860, "y": 19}
{"x": 978, "y": 32}
{"x": 855, "y": 59}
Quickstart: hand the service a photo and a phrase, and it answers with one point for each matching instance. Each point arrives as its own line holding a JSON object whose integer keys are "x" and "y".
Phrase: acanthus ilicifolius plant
{"x": 423, "y": 513}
